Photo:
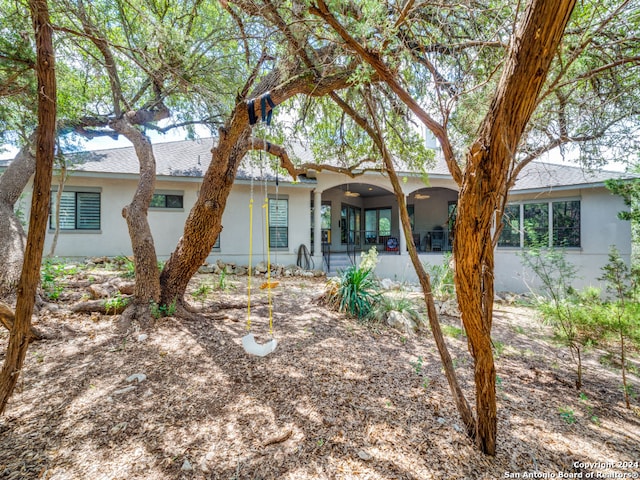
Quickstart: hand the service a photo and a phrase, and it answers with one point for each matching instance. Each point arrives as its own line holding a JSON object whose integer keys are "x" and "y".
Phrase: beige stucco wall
{"x": 600, "y": 228}
{"x": 167, "y": 224}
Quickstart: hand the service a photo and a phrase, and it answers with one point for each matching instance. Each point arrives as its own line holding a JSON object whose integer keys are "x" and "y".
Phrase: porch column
{"x": 403, "y": 240}
{"x": 317, "y": 228}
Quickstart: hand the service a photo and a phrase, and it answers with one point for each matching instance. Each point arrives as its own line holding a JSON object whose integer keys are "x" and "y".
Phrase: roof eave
{"x": 555, "y": 188}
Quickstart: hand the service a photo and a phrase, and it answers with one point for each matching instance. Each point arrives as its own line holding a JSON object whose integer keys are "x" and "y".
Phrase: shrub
{"x": 126, "y": 264}
{"x": 369, "y": 260}
{"x": 388, "y": 303}
{"x": 442, "y": 284}
{"x": 52, "y": 273}
{"x": 116, "y": 303}
{"x": 355, "y": 292}
{"x": 576, "y": 317}
{"x": 160, "y": 310}
{"x": 623, "y": 319}
{"x": 200, "y": 294}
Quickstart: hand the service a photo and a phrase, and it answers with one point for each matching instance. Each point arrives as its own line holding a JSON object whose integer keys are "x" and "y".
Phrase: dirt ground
{"x": 336, "y": 400}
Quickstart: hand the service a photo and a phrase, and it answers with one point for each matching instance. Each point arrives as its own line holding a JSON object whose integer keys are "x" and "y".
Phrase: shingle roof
{"x": 191, "y": 158}
{"x": 540, "y": 175}
{"x": 186, "y": 158}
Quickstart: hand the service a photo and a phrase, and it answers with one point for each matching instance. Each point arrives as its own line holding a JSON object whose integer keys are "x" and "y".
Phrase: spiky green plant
{"x": 355, "y": 292}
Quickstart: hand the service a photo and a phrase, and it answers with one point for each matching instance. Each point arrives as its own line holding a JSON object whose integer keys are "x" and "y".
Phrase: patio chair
{"x": 437, "y": 239}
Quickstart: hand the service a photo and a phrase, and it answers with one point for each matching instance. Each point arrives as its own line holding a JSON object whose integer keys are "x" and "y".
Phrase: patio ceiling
{"x": 363, "y": 190}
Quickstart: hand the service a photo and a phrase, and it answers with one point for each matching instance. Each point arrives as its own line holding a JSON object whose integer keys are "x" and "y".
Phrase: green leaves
{"x": 354, "y": 293}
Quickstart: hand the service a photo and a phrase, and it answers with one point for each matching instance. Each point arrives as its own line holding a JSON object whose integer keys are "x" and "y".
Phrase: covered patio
{"x": 357, "y": 216}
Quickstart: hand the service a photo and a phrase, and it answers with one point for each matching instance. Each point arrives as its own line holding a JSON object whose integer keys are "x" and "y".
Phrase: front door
{"x": 350, "y": 225}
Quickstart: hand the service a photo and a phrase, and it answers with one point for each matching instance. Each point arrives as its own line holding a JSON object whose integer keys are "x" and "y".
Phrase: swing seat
{"x": 270, "y": 284}
{"x": 252, "y": 347}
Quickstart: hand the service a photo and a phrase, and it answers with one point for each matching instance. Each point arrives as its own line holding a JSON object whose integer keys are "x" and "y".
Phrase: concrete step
{"x": 339, "y": 261}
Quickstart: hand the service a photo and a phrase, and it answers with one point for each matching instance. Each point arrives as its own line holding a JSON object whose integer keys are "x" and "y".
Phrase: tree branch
{"x": 295, "y": 171}
{"x": 389, "y": 77}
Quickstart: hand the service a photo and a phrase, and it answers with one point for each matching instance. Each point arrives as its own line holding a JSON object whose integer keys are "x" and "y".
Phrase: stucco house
{"x": 333, "y": 215}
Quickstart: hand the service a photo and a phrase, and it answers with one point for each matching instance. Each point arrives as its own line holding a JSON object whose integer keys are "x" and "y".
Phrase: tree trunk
{"x": 147, "y": 286}
{"x": 473, "y": 251}
{"x": 466, "y": 414}
{"x": 623, "y": 361}
{"x": 204, "y": 223}
{"x": 484, "y": 186}
{"x": 29, "y": 279}
{"x": 61, "y": 183}
{"x": 376, "y": 135}
{"x": 12, "y": 235}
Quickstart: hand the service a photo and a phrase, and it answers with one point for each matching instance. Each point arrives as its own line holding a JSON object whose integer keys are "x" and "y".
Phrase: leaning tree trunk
{"x": 204, "y": 222}
{"x": 29, "y": 279}
{"x": 484, "y": 185}
{"x": 64, "y": 174}
{"x": 147, "y": 286}
{"x": 12, "y": 235}
{"x": 466, "y": 414}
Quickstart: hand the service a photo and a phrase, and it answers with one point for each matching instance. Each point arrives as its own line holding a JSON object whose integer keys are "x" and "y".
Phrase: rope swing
{"x": 248, "y": 341}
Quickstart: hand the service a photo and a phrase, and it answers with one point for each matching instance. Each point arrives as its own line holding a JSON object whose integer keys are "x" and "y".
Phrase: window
{"x": 78, "y": 211}
{"x": 411, "y": 210}
{"x": 555, "y": 223}
{"x": 377, "y": 223}
{"x": 278, "y": 223}
{"x": 510, "y": 236}
{"x": 536, "y": 224}
{"x": 325, "y": 222}
{"x": 167, "y": 200}
{"x": 350, "y": 225}
{"x": 325, "y": 216}
{"x": 566, "y": 224}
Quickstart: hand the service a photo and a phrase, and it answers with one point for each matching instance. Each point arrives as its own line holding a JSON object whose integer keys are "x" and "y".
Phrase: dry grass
{"x": 336, "y": 400}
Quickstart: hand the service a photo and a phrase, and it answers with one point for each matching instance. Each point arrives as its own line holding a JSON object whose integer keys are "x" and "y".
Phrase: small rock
{"x": 101, "y": 290}
{"x": 52, "y": 307}
{"x": 124, "y": 390}
{"x": 387, "y": 283}
{"x": 120, "y": 427}
{"x": 400, "y": 321}
{"x": 142, "y": 337}
{"x": 206, "y": 269}
{"x": 140, "y": 377}
{"x": 126, "y": 288}
{"x": 366, "y": 456}
{"x": 205, "y": 462}
{"x": 186, "y": 466}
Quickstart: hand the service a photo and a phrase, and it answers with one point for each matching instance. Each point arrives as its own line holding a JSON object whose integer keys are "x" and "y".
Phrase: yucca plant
{"x": 354, "y": 293}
